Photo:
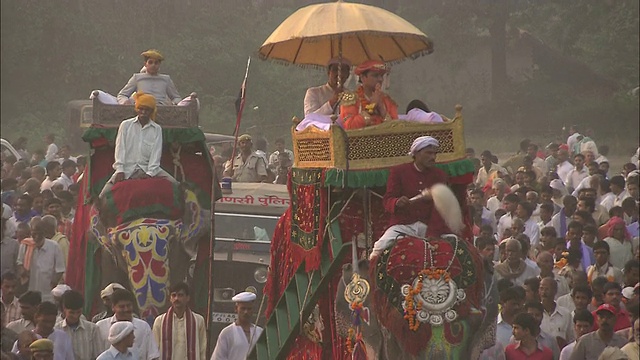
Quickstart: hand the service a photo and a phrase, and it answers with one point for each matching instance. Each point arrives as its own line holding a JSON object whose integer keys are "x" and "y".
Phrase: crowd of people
{"x": 559, "y": 228}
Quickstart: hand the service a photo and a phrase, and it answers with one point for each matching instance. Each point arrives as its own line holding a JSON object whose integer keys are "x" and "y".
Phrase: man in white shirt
{"x": 510, "y": 202}
{"x": 573, "y": 136}
{"x": 577, "y": 174}
{"x": 564, "y": 166}
{"x": 323, "y": 99}
{"x": 52, "y": 148}
{"x": 53, "y": 173}
{"x": 273, "y": 158}
{"x": 144, "y": 344}
{"x": 46, "y": 265}
{"x": 495, "y": 202}
{"x": 540, "y": 164}
{"x": 151, "y": 82}
{"x": 582, "y": 324}
{"x": 488, "y": 167}
{"x": 68, "y": 169}
{"x": 180, "y": 332}
{"x": 138, "y": 146}
{"x": 236, "y": 340}
{"x": 617, "y": 184}
{"x": 121, "y": 337}
{"x": 524, "y": 210}
{"x": 556, "y": 320}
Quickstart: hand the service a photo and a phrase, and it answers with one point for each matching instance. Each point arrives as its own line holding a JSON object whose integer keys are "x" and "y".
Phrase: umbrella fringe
{"x": 324, "y": 67}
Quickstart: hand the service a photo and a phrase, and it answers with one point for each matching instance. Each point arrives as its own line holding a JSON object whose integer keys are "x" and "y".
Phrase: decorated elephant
{"x": 147, "y": 253}
{"x": 430, "y": 298}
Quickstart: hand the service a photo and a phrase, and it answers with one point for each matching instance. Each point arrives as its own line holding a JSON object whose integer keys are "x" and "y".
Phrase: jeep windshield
{"x": 245, "y": 227}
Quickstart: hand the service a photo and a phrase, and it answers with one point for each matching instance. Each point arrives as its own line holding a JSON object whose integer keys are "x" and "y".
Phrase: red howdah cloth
{"x": 75, "y": 275}
{"x": 136, "y": 198}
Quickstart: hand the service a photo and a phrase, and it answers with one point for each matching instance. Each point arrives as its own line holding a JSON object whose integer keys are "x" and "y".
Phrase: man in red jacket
{"x": 410, "y": 206}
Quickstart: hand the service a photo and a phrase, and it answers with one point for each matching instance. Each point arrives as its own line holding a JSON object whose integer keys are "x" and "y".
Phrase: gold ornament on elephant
{"x": 357, "y": 290}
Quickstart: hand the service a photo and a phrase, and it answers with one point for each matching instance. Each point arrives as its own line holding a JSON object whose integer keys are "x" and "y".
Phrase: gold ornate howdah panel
{"x": 375, "y": 147}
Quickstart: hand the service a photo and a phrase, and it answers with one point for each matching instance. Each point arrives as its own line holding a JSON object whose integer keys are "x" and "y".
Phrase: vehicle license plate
{"x": 224, "y": 317}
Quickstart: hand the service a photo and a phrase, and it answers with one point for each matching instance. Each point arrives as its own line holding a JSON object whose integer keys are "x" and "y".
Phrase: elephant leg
{"x": 179, "y": 262}
{"x": 110, "y": 272}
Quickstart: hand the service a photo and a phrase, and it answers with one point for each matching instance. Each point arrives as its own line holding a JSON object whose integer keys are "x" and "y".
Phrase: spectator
{"x": 548, "y": 238}
{"x": 621, "y": 247}
{"x": 603, "y": 267}
{"x": 53, "y": 173}
{"x": 510, "y": 202}
{"x": 105, "y": 295}
{"x": 8, "y": 299}
{"x": 52, "y": 148}
{"x": 582, "y": 324}
{"x": 545, "y": 263}
{"x": 591, "y": 345}
{"x": 121, "y": 339}
{"x": 495, "y": 202}
{"x": 575, "y": 243}
{"x": 488, "y": 168}
{"x": 45, "y": 318}
{"x": 273, "y": 158}
{"x": 546, "y": 213}
{"x": 39, "y": 173}
{"x": 538, "y": 163}
{"x": 68, "y": 170}
{"x": 8, "y": 245}
{"x": 144, "y": 344}
{"x": 67, "y": 206}
{"x": 579, "y": 299}
{"x": 632, "y": 349}
{"x": 631, "y": 272}
{"x": 527, "y": 346}
{"x": 29, "y": 302}
{"x": 531, "y": 289}
{"x": 536, "y": 310}
{"x": 617, "y": 184}
{"x": 85, "y": 336}
{"x": 552, "y": 158}
{"x": 564, "y": 166}
{"x": 7, "y": 336}
{"x": 524, "y": 210}
{"x": 515, "y": 268}
{"x": 52, "y": 233}
{"x": 590, "y": 235}
{"x": 25, "y": 339}
{"x": 53, "y": 207}
{"x": 630, "y": 208}
{"x": 577, "y": 174}
{"x": 46, "y": 265}
{"x": 563, "y": 217}
{"x": 556, "y": 320}
{"x": 612, "y": 295}
{"x": 180, "y": 331}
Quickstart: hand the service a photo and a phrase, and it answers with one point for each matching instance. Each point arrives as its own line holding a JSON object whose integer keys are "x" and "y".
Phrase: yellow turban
{"x": 152, "y": 54}
{"x": 149, "y": 101}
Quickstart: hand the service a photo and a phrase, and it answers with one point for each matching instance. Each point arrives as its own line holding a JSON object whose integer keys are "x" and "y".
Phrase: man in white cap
{"x": 105, "y": 295}
{"x": 410, "y": 212}
{"x": 57, "y": 293}
{"x": 323, "y": 99}
{"x": 121, "y": 338}
{"x": 236, "y": 340}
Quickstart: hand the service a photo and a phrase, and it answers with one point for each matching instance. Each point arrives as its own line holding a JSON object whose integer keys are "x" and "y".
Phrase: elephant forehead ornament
{"x": 433, "y": 294}
{"x": 357, "y": 290}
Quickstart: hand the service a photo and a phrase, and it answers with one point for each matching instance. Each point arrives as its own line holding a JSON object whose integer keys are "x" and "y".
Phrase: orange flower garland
{"x": 411, "y": 307}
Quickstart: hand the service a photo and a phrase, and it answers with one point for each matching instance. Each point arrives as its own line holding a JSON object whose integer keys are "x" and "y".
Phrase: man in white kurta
{"x": 186, "y": 337}
{"x": 138, "y": 146}
{"x": 236, "y": 340}
{"x": 323, "y": 99}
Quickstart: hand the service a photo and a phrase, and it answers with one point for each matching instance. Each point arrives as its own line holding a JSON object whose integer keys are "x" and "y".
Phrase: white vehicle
{"x": 8, "y": 149}
{"x": 244, "y": 224}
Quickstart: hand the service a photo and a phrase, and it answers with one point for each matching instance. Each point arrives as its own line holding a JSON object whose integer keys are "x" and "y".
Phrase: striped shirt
{"x": 12, "y": 310}
{"x": 85, "y": 338}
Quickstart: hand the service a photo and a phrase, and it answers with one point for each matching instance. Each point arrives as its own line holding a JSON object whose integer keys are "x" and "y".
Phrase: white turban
{"x": 244, "y": 297}
{"x": 421, "y": 143}
{"x": 108, "y": 291}
{"x": 119, "y": 330}
{"x": 59, "y": 290}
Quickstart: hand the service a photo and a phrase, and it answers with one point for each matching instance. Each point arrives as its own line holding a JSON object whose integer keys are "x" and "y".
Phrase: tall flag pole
{"x": 239, "y": 108}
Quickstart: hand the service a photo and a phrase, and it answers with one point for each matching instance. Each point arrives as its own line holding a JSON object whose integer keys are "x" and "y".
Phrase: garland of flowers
{"x": 560, "y": 264}
{"x": 354, "y": 334}
{"x": 412, "y": 308}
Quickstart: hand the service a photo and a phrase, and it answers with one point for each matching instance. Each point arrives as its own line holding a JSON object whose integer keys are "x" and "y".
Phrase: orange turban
{"x": 149, "y": 101}
{"x": 371, "y": 65}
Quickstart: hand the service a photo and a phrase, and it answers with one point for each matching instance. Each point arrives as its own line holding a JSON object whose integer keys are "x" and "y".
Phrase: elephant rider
{"x": 138, "y": 146}
{"x": 409, "y": 212}
{"x": 323, "y": 99}
{"x": 149, "y": 81}
{"x": 368, "y": 105}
